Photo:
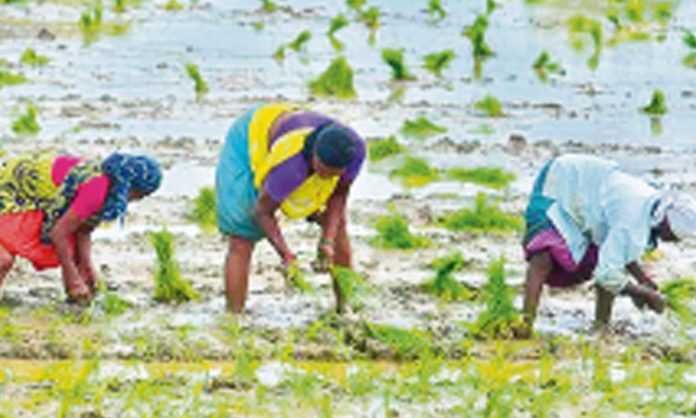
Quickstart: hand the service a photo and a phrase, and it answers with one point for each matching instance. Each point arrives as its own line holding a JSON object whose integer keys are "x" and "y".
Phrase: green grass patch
{"x": 30, "y": 57}
{"x": 203, "y": 209}
{"x": 437, "y": 62}
{"x": 300, "y": 41}
{"x": 421, "y": 128}
{"x": 199, "y": 84}
{"x": 336, "y": 81}
{"x": 405, "y": 344}
{"x": 681, "y": 297}
{"x": 500, "y": 319}
{"x": 484, "y": 217}
{"x": 394, "y": 58}
{"x": 393, "y": 233}
{"x": 415, "y": 172}
{"x": 657, "y": 105}
{"x": 9, "y": 79}
{"x": 493, "y": 177}
{"x": 381, "y": 148}
{"x": 489, "y": 106}
{"x": 27, "y": 124}
{"x": 170, "y": 287}
{"x": 444, "y": 285}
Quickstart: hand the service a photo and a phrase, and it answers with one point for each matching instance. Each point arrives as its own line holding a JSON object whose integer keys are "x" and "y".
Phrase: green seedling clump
{"x": 500, "y": 319}
{"x": 444, "y": 285}
{"x": 393, "y": 233}
{"x": 657, "y": 105}
{"x": 90, "y": 22}
{"x": 295, "y": 278}
{"x": 477, "y": 36}
{"x": 579, "y": 25}
{"x": 690, "y": 42}
{"x": 27, "y": 124}
{"x": 336, "y": 81}
{"x": 543, "y": 66}
{"x": 415, "y": 172}
{"x": 370, "y": 18}
{"x": 681, "y": 298}
{"x": 406, "y": 344}
{"x": 437, "y": 62}
{"x": 30, "y": 57}
{"x": 379, "y": 149}
{"x": 356, "y": 5}
{"x": 199, "y": 85}
{"x": 111, "y": 302}
{"x": 421, "y": 128}
{"x": 339, "y": 22}
{"x": 268, "y": 6}
{"x": 352, "y": 285}
{"x": 173, "y": 6}
{"x": 204, "y": 211}
{"x": 435, "y": 10}
{"x": 170, "y": 287}
{"x": 485, "y": 217}
{"x": 394, "y": 58}
{"x": 300, "y": 41}
{"x": 489, "y": 106}
{"x": 493, "y": 177}
{"x": 9, "y": 79}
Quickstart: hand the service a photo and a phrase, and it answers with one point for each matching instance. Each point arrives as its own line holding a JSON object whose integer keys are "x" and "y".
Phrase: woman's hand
{"x": 325, "y": 256}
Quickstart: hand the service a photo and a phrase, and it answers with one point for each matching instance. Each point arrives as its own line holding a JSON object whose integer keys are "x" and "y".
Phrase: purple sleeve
{"x": 353, "y": 168}
{"x": 283, "y": 179}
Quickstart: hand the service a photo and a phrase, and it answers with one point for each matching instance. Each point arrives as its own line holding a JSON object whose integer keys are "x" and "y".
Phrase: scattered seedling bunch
{"x": 336, "y": 81}
{"x": 393, "y": 233}
{"x": 444, "y": 285}
{"x": 484, "y": 217}
{"x": 170, "y": 287}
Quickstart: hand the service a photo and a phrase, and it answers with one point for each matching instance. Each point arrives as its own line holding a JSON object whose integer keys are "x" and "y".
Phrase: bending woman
{"x": 278, "y": 156}
{"x": 50, "y": 205}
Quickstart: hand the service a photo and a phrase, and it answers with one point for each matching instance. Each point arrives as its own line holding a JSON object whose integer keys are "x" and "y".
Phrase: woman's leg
{"x": 538, "y": 269}
{"x": 6, "y": 261}
{"x": 237, "y": 264}
{"x": 603, "y": 307}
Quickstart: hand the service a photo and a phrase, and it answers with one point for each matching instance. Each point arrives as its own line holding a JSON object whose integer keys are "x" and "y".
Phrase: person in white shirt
{"x": 588, "y": 219}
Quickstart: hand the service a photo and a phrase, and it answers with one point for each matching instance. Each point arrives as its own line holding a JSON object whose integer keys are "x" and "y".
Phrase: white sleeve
{"x": 618, "y": 249}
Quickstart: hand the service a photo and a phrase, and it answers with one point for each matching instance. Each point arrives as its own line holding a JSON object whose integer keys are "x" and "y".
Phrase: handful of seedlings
{"x": 352, "y": 285}
{"x": 681, "y": 298}
{"x": 295, "y": 278}
{"x": 170, "y": 287}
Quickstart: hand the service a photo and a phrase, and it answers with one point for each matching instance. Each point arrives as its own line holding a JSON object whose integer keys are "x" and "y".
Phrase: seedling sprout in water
{"x": 543, "y": 66}
{"x": 657, "y": 105}
{"x": 438, "y": 61}
{"x": 690, "y": 41}
{"x": 199, "y": 85}
{"x": 394, "y": 58}
{"x": 30, "y": 57}
{"x": 352, "y": 285}
{"x": 27, "y": 124}
{"x": 336, "y": 81}
{"x": 268, "y": 6}
{"x": 173, "y": 6}
{"x": 203, "y": 210}
{"x": 421, "y": 128}
{"x": 405, "y": 344}
{"x": 500, "y": 319}
{"x": 356, "y": 5}
{"x": 339, "y": 22}
{"x": 492, "y": 177}
{"x": 476, "y": 33}
{"x": 370, "y": 18}
{"x": 484, "y": 217}
{"x": 381, "y": 148}
{"x": 170, "y": 287}
{"x": 300, "y": 41}
{"x": 435, "y": 10}
{"x": 10, "y": 79}
{"x": 444, "y": 285}
{"x": 415, "y": 172}
{"x": 393, "y": 233}
{"x": 489, "y": 106}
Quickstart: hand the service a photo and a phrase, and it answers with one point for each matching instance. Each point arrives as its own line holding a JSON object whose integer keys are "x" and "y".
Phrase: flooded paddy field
{"x": 123, "y": 85}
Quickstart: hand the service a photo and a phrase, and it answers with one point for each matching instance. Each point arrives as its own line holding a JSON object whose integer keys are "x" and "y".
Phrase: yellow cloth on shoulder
{"x": 26, "y": 183}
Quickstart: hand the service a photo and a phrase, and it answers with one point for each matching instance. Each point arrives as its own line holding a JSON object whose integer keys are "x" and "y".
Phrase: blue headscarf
{"x": 332, "y": 144}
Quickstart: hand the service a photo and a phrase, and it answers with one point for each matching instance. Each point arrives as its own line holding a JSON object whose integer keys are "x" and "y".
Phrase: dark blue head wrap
{"x": 127, "y": 173}
{"x": 333, "y": 146}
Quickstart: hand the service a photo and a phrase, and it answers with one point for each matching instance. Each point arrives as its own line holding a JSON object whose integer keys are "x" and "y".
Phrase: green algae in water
{"x": 393, "y": 233}
{"x": 199, "y": 84}
{"x": 415, "y": 172}
{"x": 203, "y": 210}
{"x": 435, "y": 10}
{"x": 484, "y": 217}
{"x": 489, "y": 106}
{"x": 681, "y": 297}
{"x": 421, "y": 128}
{"x": 406, "y": 344}
{"x": 476, "y": 33}
{"x": 437, "y": 62}
{"x": 657, "y": 105}
{"x": 500, "y": 319}
{"x": 300, "y": 41}
{"x": 444, "y": 285}
{"x": 381, "y": 148}
{"x": 493, "y": 177}
{"x": 30, "y": 57}
{"x": 27, "y": 124}
{"x": 394, "y": 58}
{"x": 336, "y": 81}
{"x": 170, "y": 287}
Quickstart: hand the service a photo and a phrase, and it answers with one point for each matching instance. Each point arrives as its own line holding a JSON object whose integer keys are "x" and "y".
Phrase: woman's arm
{"x": 264, "y": 213}
{"x": 67, "y": 225}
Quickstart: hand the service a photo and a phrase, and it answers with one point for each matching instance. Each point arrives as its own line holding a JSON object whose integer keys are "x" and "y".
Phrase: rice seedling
{"x": 690, "y": 41}
{"x": 415, "y": 172}
{"x": 199, "y": 84}
{"x": 203, "y": 209}
{"x": 268, "y": 6}
{"x": 336, "y": 81}
{"x": 435, "y": 10}
{"x": 657, "y": 105}
{"x": 27, "y": 124}
{"x": 493, "y": 177}
{"x": 381, "y": 148}
{"x": 9, "y": 79}
{"x": 30, "y": 57}
{"x": 663, "y": 12}
{"x": 543, "y": 66}
{"x": 173, "y": 6}
{"x": 437, "y": 62}
{"x": 170, "y": 287}
{"x": 296, "y": 278}
{"x": 393, "y": 233}
{"x": 111, "y": 302}
{"x": 491, "y": 6}
{"x": 444, "y": 285}
{"x": 394, "y": 58}
{"x": 500, "y": 319}
{"x": 580, "y": 25}
{"x": 338, "y": 22}
{"x": 405, "y": 344}
{"x": 484, "y": 217}
{"x": 300, "y": 41}
{"x": 370, "y": 19}
{"x": 279, "y": 53}
{"x": 352, "y": 285}
{"x": 489, "y": 106}
{"x": 92, "y": 25}
{"x": 421, "y": 128}
{"x": 356, "y": 5}
{"x": 120, "y": 6}
{"x": 476, "y": 33}
{"x": 681, "y": 298}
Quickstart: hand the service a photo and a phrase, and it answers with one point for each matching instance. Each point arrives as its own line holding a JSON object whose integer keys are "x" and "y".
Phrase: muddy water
{"x": 131, "y": 93}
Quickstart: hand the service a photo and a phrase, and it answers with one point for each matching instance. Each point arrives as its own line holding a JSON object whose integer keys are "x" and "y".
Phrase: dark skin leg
{"x": 6, "y": 261}
{"x": 538, "y": 269}
{"x": 237, "y": 265}
{"x": 603, "y": 306}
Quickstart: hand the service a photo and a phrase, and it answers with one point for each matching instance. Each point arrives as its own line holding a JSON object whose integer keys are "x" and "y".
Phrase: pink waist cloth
{"x": 565, "y": 272}
{"x": 90, "y": 196}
